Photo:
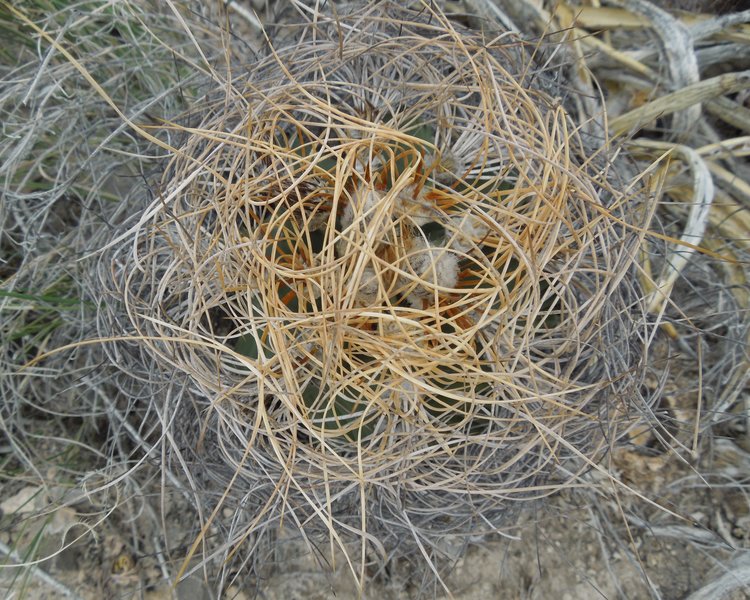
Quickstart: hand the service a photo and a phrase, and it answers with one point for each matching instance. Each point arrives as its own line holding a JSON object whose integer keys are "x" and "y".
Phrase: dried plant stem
{"x": 700, "y": 207}
{"x": 696, "y": 93}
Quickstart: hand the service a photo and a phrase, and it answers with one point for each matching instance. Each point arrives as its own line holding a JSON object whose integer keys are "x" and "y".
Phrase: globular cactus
{"x": 387, "y": 269}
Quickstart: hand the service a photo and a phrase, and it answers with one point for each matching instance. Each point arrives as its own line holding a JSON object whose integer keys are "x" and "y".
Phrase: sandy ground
{"x": 574, "y": 546}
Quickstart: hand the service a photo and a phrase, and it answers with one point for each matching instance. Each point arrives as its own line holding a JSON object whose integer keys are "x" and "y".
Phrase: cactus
{"x": 387, "y": 265}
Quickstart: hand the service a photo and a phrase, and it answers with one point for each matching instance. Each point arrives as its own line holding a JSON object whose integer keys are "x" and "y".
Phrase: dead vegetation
{"x": 373, "y": 285}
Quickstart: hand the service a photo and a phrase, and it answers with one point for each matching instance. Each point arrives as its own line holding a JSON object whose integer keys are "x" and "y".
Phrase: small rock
{"x": 24, "y": 502}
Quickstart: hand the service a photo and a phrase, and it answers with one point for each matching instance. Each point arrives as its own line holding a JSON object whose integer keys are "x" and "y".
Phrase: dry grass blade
{"x": 692, "y": 236}
{"x": 677, "y": 47}
{"x": 37, "y": 572}
{"x": 730, "y": 112}
{"x": 734, "y": 579}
